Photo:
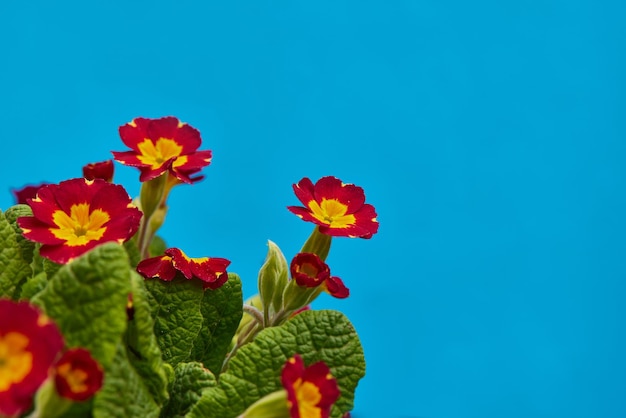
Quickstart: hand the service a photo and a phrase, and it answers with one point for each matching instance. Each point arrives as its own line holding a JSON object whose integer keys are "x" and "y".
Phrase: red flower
{"x": 27, "y": 192}
{"x": 102, "y": 170}
{"x": 311, "y": 391}
{"x": 338, "y": 208}
{"x": 77, "y": 376}
{"x": 162, "y": 145}
{"x": 308, "y": 270}
{"x": 29, "y": 344}
{"x": 211, "y": 270}
{"x": 76, "y": 215}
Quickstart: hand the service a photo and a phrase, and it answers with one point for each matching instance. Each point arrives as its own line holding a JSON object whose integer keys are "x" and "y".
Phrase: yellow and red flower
{"x": 162, "y": 145}
{"x": 101, "y": 170}
{"x": 339, "y": 209}
{"x": 77, "y": 375}
{"x": 308, "y": 270}
{"x": 29, "y": 344}
{"x": 210, "y": 270}
{"x": 27, "y": 192}
{"x": 76, "y": 215}
{"x": 311, "y": 391}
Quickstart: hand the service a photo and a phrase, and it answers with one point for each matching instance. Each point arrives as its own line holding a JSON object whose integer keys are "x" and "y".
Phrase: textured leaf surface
{"x": 123, "y": 394}
{"x": 255, "y": 370}
{"x": 176, "y": 311}
{"x": 143, "y": 350}
{"x": 33, "y": 286}
{"x": 26, "y": 247}
{"x": 190, "y": 380}
{"x": 87, "y": 300}
{"x": 221, "y": 310}
{"x": 15, "y": 256}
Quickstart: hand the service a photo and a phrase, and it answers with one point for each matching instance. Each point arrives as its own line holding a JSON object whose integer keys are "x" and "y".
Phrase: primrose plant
{"x": 100, "y": 318}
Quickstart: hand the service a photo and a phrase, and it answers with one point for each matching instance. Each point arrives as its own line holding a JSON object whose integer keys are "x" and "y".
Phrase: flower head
{"x": 76, "y": 215}
{"x": 27, "y": 192}
{"x": 29, "y": 344}
{"x": 162, "y": 145}
{"x": 308, "y": 270}
{"x": 338, "y": 208}
{"x": 210, "y": 270}
{"x": 77, "y": 375}
{"x": 311, "y": 391}
{"x": 101, "y": 170}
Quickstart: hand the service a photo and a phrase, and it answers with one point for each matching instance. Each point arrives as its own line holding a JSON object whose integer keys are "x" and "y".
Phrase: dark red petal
{"x": 63, "y": 254}
{"x": 27, "y": 192}
{"x": 304, "y": 191}
{"x": 78, "y": 359}
{"x": 332, "y": 188}
{"x": 128, "y": 158}
{"x": 305, "y": 214}
{"x": 131, "y": 135}
{"x": 319, "y": 374}
{"x": 157, "y": 267}
{"x": 335, "y": 286}
{"x": 37, "y": 231}
{"x": 148, "y": 174}
{"x": 44, "y": 342}
{"x": 100, "y": 170}
{"x": 189, "y": 138}
{"x": 165, "y": 127}
{"x": 181, "y": 262}
{"x": 308, "y": 270}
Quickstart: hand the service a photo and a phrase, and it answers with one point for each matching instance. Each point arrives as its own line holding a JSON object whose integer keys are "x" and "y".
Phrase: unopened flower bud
{"x": 273, "y": 278}
{"x": 273, "y": 405}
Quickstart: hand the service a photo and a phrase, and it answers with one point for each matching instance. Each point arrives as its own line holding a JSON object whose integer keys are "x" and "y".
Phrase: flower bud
{"x": 273, "y": 278}
{"x": 273, "y": 405}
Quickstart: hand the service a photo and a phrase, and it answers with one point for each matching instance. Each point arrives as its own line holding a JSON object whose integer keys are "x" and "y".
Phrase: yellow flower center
{"x": 308, "y": 269}
{"x": 308, "y": 396}
{"x": 75, "y": 378}
{"x": 332, "y": 212}
{"x": 156, "y": 154}
{"x": 80, "y": 226}
{"x": 15, "y": 361}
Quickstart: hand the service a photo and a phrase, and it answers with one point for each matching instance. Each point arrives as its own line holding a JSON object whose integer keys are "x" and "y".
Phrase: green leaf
{"x": 87, "y": 300}
{"x": 143, "y": 350}
{"x": 26, "y": 247}
{"x": 50, "y": 267}
{"x": 255, "y": 370}
{"x": 191, "y": 379}
{"x": 157, "y": 246}
{"x": 15, "y": 256}
{"x": 133, "y": 251}
{"x": 124, "y": 393}
{"x": 177, "y": 319}
{"x": 34, "y": 285}
{"x": 221, "y": 311}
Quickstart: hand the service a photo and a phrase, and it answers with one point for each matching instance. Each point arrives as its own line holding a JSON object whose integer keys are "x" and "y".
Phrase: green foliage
{"x": 15, "y": 253}
{"x": 255, "y": 370}
{"x": 175, "y": 308}
{"x": 190, "y": 380}
{"x": 124, "y": 393}
{"x": 221, "y": 311}
{"x": 87, "y": 300}
{"x": 144, "y": 353}
{"x": 34, "y": 285}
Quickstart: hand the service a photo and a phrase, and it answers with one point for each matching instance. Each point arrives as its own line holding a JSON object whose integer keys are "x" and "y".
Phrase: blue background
{"x": 489, "y": 135}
